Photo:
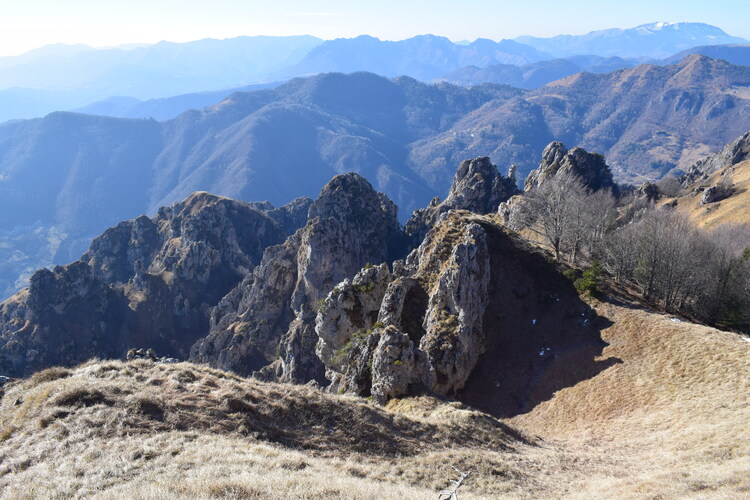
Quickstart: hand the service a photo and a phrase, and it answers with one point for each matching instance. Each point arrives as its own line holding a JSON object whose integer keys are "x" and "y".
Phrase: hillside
{"x": 734, "y": 209}
{"x": 714, "y": 191}
{"x": 667, "y": 418}
{"x": 474, "y": 352}
{"x": 66, "y": 177}
{"x": 647, "y": 120}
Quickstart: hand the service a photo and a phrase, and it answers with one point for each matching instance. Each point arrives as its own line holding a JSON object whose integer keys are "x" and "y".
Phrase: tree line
{"x": 656, "y": 251}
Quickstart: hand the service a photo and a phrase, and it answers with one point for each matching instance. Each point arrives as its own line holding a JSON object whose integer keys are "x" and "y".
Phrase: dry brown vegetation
{"x": 734, "y": 209}
{"x": 669, "y": 421}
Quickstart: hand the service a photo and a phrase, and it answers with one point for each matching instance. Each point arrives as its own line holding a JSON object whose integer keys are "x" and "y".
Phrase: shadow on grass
{"x": 540, "y": 335}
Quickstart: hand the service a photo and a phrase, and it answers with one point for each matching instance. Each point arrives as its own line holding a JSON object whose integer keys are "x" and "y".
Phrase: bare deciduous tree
{"x": 566, "y": 214}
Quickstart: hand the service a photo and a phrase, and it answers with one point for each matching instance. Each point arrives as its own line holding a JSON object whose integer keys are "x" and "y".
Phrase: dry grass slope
{"x": 146, "y": 430}
{"x": 734, "y": 209}
{"x": 669, "y": 421}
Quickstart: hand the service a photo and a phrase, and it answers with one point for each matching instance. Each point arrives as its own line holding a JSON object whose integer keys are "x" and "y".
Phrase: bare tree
{"x": 552, "y": 209}
{"x": 683, "y": 268}
{"x": 620, "y": 253}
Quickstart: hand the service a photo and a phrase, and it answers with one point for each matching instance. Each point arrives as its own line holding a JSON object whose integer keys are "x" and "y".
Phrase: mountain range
{"x": 654, "y": 40}
{"x": 66, "y": 177}
{"x": 65, "y": 77}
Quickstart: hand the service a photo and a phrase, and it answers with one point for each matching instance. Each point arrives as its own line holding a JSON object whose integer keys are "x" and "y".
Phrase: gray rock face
{"x": 267, "y": 324}
{"x": 589, "y": 167}
{"x": 428, "y": 329}
{"x": 290, "y": 217}
{"x": 648, "y": 191}
{"x": 477, "y": 186}
{"x": 467, "y": 315}
{"x": 733, "y": 153}
{"x": 146, "y": 282}
{"x": 716, "y": 193}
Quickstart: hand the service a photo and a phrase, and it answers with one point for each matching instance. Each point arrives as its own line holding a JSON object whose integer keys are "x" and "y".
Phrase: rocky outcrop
{"x": 431, "y": 321}
{"x": 591, "y": 168}
{"x": 477, "y": 186}
{"x": 386, "y": 334}
{"x": 148, "y": 282}
{"x": 266, "y": 325}
{"x": 731, "y": 154}
{"x": 648, "y": 191}
{"x": 717, "y": 192}
{"x": 290, "y": 217}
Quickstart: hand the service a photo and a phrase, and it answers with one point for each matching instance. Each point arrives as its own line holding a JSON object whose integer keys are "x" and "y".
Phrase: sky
{"x": 28, "y": 24}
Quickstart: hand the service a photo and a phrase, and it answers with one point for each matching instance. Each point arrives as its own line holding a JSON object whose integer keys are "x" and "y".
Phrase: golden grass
{"x": 147, "y": 430}
{"x": 675, "y": 411}
{"x": 734, "y": 209}
{"x": 669, "y": 421}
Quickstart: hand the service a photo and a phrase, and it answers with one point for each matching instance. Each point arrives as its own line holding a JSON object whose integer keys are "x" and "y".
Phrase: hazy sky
{"x": 26, "y": 24}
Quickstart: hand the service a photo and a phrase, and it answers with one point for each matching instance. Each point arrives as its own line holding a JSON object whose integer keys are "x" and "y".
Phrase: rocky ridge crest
{"x": 147, "y": 282}
{"x": 477, "y": 186}
{"x": 266, "y": 324}
{"x": 591, "y": 168}
{"x": 463, "y": 306}
{"x": 731, "y": 154}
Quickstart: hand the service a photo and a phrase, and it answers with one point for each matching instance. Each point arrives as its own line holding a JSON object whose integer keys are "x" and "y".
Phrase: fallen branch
{"x": 453, "y": 494}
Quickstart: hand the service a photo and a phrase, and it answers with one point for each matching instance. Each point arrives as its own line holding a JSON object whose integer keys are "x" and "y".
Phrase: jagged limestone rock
{"x": 649, "y": 191}
{"x": 477, "y": 186}
{"x": 429, "y": 322}
{"x": 591, "y": 168}
{"x": 466, "y": 315}
{"x": 147, "y": 282}
{"x": 398, "y": 366}
{"x": 731, "y": 154}
{"x": 268, "y": 323}
{"x": 454, "y": 337}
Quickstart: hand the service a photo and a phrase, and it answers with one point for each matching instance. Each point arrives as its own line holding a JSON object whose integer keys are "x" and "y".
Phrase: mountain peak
{"x": 656, "y": 40}
{"x": 685, "y": 26}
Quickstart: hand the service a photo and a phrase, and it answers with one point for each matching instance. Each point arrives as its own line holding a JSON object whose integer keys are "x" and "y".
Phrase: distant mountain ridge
{"x": 69, "y": 77}
{"x": 535, "y": 75}
{"x": 422, "y": 57}
{"x": 164, "y": 108}
{"x": 655, "y": 40}
{"x": 648, "y": 120}
{"x": 66, "y": 177}
{"x": 734, "y": 54}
